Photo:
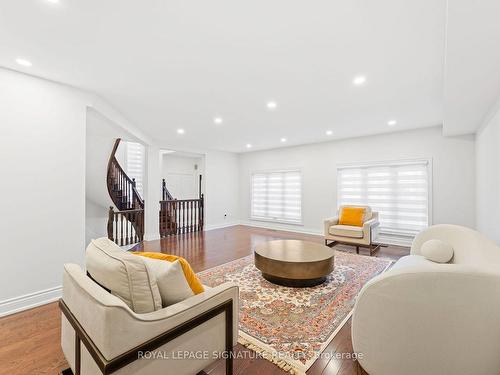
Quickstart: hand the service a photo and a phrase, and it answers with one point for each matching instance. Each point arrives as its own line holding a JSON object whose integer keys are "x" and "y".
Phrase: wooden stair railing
{"x": 126, "y": 225}
{"x": 178, "y": 216}
{"x": 166, "y": 196}
{"x": 121, "y": 187}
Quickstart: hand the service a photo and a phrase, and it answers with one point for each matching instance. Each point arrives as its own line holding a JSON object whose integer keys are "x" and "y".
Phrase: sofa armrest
{"x": 329, "y": 222}
{"x": 139, "y": 328}
{"x": 368, "y": 228}
{"x": 371, "y": 223}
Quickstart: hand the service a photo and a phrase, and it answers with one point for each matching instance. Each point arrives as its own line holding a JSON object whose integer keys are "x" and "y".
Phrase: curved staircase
{"x": 126, "y": 225}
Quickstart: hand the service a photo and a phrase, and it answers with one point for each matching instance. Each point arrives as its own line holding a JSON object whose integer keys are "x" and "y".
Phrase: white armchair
{"x": 102, "y": 335}
{"x": 351, "y": 235}
{"x": 430, "y": 318}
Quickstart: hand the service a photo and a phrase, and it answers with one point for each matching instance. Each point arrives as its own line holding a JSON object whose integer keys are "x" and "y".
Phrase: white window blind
{"x": 135, "y": 164}
{"x": 399, "y": 191}
{"x": 277, "y": 196}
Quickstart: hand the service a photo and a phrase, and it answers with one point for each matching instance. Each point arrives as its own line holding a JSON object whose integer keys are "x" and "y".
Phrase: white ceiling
{"x": 179, "y": 63}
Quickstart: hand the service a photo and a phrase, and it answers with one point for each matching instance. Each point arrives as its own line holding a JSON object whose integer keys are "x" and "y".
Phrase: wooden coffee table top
{"x": 294, "y": 251}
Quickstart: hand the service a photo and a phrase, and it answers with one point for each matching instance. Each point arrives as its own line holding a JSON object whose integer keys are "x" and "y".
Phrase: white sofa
{"x": 426, "y": 318}
{"x": 350, "y": 235}
{"x": 101, "y": 334}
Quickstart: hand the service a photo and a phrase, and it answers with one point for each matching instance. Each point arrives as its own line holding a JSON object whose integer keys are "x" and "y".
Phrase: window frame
{"x": 278, "y": 221}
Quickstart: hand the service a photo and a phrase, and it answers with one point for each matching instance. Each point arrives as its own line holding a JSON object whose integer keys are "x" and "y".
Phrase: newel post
{"x": 111, "y": 218}
{"x": 202, "y": 210}
{"x": 200, "y": 195}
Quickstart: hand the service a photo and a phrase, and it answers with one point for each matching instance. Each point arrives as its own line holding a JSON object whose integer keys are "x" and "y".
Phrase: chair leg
{"x": 357, "y": 249}
{"x": 374, "y": 249}
{"x": 331, "y": 244}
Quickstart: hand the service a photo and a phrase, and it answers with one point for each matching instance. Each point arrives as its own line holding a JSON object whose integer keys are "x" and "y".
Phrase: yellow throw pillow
{"x": 352, "y": 216}
{"x": 191, "y": 278}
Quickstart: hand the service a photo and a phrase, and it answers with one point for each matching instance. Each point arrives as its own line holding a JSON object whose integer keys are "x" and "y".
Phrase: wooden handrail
{"x": 165, "y": 192}
{"x": 127, "y": 186}
{"x": 180, "y": 200}
{"x": 128, "y": 211}
{"x": 110, "y": 163}
{"x": 113, "y": 152}
{"x": 126, "y": 225}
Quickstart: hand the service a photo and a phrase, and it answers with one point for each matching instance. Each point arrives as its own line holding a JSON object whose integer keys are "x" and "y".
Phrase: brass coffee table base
{"x": 294, "y": 283}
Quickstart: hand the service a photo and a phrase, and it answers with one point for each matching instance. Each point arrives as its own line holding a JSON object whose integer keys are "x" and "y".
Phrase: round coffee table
{"x": 294, "y": 263}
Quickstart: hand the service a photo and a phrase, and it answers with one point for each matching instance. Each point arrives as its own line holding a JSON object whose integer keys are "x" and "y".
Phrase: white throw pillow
{"x": 127, "y": 276}
{"x": 437, "y": 251}
{"x": 171, "y": 281}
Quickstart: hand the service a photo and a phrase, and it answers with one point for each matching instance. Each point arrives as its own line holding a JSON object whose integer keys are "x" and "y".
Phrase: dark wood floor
{"x": 29, "y": 341}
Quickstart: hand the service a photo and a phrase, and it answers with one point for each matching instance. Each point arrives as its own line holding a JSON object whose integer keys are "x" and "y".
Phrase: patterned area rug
{"x": 292, "y": 326}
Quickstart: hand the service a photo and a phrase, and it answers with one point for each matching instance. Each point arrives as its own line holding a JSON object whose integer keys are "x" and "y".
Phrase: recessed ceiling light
{"x": 249, "y": 145}
{"x": 218, "y": 120}
{"x": 23, "y": 62}
{"x": 329, "y": 132}
{"x": 271, "y": 105}
{"x": 53, "y": 1}
{"x": 392, "y": 122}
{"x": 283, "y": 140}
{"x": 180, "y": 131}
{"x": 359, "y": 80}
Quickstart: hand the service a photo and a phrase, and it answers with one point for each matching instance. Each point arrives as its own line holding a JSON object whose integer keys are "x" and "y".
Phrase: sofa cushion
{"x": 127, "y": 276}
{"x": 352, "y": 216}
{"x": 437, "y": 251}
{"x": 191, "y": 278}
{"x": 346, "y": 231}
{"x": 171, "y": 281}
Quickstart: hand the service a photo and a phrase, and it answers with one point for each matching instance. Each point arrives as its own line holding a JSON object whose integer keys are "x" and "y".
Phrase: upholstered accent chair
{"x": 351, "y": 235}
{"x": 102, "y": 335}
{"x": 423, "y": 317}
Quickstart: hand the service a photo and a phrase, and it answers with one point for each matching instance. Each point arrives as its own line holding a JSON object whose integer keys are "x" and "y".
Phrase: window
{"x": 277, "y": 196}
{"x": 399, "y": 191}
{"x": 135, "y": 164}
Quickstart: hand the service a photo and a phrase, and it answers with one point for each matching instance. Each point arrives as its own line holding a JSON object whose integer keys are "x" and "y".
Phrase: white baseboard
{"x": 152, "y": 236}
{"x": 221, "y": 225}
{"x": 282, "y": 227}
{"x": 396, "y": 241}
{"x": 28, "y": 301}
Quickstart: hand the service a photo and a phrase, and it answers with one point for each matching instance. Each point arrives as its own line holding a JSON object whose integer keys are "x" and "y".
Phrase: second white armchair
{"x": 362, "y": 236}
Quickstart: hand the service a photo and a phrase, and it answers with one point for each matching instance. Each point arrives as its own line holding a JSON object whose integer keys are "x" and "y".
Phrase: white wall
{"x": 42, "y": 148}
{"x": 181, "y": 177}
{"x": 453, "y": 172}
{"x": 221, "y": 188}
{"x": 488, "y": 178}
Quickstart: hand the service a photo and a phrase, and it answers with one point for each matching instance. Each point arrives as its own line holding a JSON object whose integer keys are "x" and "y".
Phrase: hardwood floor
{"x": 30, "y": 340}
